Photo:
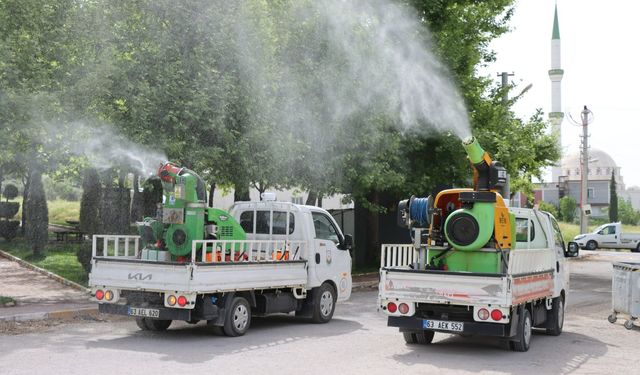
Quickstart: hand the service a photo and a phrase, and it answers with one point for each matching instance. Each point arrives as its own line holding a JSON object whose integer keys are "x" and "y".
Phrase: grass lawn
{"x": 59, "y": 211}
{"x": 58, "y": 258}
{"x": 4, "y": 299}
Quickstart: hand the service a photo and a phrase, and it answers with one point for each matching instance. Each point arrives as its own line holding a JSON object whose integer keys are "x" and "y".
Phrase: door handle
{"x": 317, "y": 258}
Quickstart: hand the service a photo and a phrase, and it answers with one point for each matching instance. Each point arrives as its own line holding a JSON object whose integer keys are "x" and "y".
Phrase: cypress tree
{"x": 613, "y": 199}
{"x": 90, "y": 202}
{"x": 37, "y": 223}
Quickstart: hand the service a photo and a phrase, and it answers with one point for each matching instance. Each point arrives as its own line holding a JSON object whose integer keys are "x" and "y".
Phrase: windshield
{"x": 598, "y": 229}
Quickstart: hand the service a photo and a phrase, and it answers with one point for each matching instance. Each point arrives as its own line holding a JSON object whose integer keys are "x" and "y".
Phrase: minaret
{"x": 555, "y": 75}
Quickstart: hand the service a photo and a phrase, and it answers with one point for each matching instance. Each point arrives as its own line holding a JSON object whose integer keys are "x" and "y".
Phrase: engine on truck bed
{"x": 184, "y": 217}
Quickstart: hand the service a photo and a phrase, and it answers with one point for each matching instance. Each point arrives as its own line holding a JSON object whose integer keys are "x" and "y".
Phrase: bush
{"x": 544, "y": 206}
{"x": 9, "y": 229}
{"x": 9, "y": 209}
{"x": 10, "y": 192}
{"x": 627, "y": 214}
{"x": 568, "y": 207}
{"x": 37, "y": 220}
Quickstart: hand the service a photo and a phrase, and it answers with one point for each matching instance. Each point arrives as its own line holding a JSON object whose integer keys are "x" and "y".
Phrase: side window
{"x": 611, "y": 229}
{"x": 263, "y": 221}
{"x": 280, "y": 222}
{"x": 522, "y": 230}
{"x": 324, "y": 228}
{"x": 246, "y": 221}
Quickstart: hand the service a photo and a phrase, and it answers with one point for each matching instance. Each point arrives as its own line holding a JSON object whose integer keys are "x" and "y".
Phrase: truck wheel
{"x": 555, "y": 317}
{"x": 324, "y": 304}
{"x": 637, "y": 249}
{"x": 591, "y": 245}
{"x": 524, "y": 333}
{"x": 418, "y": 337}
{"x": 238, "y": 318}
{"x": 612, "y": 318}
{"x": 153, "y": 324}
{"x": 628, "y": 324}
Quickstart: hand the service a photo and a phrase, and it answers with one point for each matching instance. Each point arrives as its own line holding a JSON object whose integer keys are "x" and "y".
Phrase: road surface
{"x": 357, "y": 341}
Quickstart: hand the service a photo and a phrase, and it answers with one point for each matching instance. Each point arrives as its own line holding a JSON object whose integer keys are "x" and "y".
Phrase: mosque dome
{"x": 601, "y": 166}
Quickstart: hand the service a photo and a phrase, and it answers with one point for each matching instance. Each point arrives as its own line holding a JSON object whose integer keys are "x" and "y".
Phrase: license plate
{"x": 443, "y": 325}
{"x": 147, "y": 313}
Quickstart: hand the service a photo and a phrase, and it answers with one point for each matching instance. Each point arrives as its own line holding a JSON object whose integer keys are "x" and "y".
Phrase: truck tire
{"x": 555, "y": 317}
{"x": 238, "y": 318}
{"x": 418, "y": 337}
{"x": 637, "y": 249}
{"x": 524, "y": 333}
{"x": 153, "y": 324}
{"x": 324, "y": 303}
{"x": 591, "y": 245}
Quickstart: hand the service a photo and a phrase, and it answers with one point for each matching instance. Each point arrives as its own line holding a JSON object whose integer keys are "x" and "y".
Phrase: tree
{"x": 90, "y": 203}
{"x": 37, "y": 224}
{"x": 627, "y": 214}
{"x": 8, "y": 227}
{"x": 567, "y": 209}
{"x": 613, "y": 199}
{"x": 550, "y": 208}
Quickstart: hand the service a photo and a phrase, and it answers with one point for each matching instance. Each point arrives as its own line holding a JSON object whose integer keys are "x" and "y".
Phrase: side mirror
{"x": 347, "y": 243}
{"x": 572, "y": 250}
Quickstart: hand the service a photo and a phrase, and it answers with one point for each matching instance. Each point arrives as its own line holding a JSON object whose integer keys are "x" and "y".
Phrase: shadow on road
{"x": 548, "y": 354}
{"x": 178, "y": 342}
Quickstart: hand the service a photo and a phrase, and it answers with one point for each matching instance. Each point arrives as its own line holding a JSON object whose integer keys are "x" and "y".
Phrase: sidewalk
{"x": 39, "y": 297}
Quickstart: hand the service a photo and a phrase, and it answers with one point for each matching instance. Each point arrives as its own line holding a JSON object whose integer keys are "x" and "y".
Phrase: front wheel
{"x": 556, "y": 317}
{"x": 238, "y": 318}
{"x": 591, "y": 245}
{"x": 637, "y": 249}
{"x": 324, "y": 303}
{"x": 523, "y": 338}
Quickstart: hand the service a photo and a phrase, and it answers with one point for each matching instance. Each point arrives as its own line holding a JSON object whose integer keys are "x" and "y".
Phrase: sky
{"x": 601, "y": 63}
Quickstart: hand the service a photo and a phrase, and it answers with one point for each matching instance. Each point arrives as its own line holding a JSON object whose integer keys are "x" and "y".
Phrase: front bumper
{"x": 410, "y": 323}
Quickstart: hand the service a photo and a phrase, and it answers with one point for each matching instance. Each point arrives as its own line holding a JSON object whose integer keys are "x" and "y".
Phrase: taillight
{"x": 483, "y": 314}
{"x": 171, "y": 300}
{"x": 108, "y": 295}
{"x": 496, "y": 314}
{"x": 392, "y": 307}
{"x": 403, "y": 308}
{"x": 182, "y": 301}
{"x": 99, "y": 294}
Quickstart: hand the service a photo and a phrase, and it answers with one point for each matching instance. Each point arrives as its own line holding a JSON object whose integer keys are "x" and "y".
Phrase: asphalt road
{"x": 356, "y": 341}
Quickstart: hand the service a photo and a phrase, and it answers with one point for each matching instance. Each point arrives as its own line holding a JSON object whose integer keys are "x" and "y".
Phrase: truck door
{"x": 609, "y": 236}
{"x": 331, "y": 262}
{"x": 562, "y": 268}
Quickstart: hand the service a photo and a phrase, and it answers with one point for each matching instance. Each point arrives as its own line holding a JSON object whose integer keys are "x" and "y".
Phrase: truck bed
{"x": 124, "y": 270}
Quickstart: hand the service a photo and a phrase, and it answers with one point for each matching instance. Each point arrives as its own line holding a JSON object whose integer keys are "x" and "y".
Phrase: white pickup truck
{"x": 609, "y": 236}
{"x": 529, "y": 291}
{"x": 295, "y": 259}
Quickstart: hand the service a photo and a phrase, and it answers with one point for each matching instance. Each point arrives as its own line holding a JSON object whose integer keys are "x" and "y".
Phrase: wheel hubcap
{"x": 326, "y": 303}
{"x": 240, "y": 317}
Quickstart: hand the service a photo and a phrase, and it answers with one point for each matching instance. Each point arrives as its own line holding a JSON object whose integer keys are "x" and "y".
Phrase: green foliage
{"x": 83, "y": 255}
{"x": 10, "y": 192}
{"x": 550, "y": 208}
{"x": 568, "y": 207}
{"x": 90, "y": 202}
{"x": 37, "y": 224}
{"x": 627, "y": 214}
{"x": 151, "y": 196}
{"x": 613, "y": 200}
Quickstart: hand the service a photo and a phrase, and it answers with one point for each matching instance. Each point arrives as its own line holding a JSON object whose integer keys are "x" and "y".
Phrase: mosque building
{"x": 566, "y": 176}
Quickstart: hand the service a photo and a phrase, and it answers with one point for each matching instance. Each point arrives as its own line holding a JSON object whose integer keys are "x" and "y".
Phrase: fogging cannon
{"x": 184, "y": 217}
{"x": 464, "y": 229}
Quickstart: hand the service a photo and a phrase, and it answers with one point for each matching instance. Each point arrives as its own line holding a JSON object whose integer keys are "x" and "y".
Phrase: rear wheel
{"x": 555, "y": 317}
{"x": 523, "y": 338}
{"x": 238, "y": 318}
{"x": 146, "y": 324}
{"x": 637, "y": 249}
{"x": 591, "y": 245}
{"x": 142, "y": 324}
{"x": 418, "y": 337}
{"x": 324, "y": 304}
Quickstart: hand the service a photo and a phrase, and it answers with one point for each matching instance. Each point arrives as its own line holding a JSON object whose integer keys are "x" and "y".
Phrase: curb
{"x": 87, "y": 312}
{"x": 49, "y": 274}
{"x": 364, "y": 285}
